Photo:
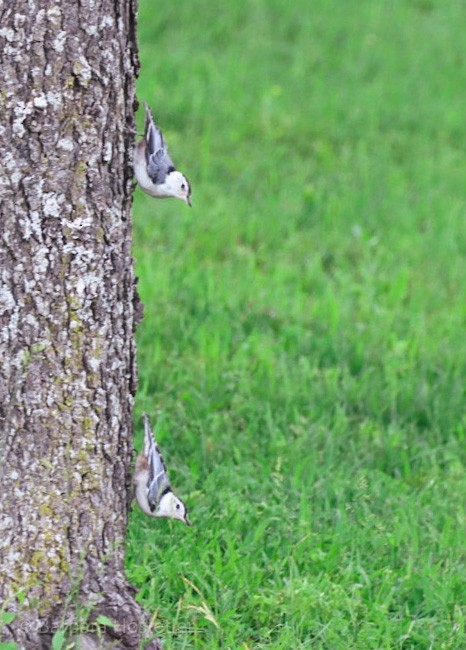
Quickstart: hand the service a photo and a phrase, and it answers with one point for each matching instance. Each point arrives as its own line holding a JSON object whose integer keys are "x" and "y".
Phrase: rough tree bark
{"x": 68, "y": 309}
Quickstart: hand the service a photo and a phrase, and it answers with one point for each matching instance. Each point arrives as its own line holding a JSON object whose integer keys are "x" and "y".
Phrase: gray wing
{"x": 158, "y": 482}
{"x": 158, "y": 162}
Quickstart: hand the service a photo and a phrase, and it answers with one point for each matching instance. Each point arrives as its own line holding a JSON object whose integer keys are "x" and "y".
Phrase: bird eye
{"x": 183, "y": 186}
{"x": 177, "y": 506}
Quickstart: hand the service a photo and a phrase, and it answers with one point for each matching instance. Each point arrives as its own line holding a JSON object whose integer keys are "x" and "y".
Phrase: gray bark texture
{"x": 68, "y": 309}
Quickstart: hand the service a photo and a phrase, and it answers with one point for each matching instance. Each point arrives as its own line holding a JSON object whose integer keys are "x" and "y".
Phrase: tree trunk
{"x": 68, "y": 309}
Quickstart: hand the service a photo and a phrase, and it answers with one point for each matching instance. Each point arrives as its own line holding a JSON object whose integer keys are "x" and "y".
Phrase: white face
{"x": 172, "y": 507}
{"x": 178, "y": 186}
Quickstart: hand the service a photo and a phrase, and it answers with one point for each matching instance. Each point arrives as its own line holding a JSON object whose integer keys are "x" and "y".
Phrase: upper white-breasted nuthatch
{"x": 154, "y": 494}
{"x": 153, "y": 167}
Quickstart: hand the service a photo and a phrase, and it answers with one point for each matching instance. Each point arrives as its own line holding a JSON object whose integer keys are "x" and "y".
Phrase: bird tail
{"x": 152, "y": 452}
{"x": 152, "y": 133}
{"x": 149, "y": 442}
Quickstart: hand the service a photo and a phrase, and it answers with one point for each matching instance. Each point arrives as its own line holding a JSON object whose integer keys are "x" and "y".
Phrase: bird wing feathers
{"x": 158, "y": 482}
{"x": 158, "y": 162}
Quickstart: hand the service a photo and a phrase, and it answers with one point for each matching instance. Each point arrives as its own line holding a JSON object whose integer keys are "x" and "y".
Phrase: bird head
{"x": 179, "y": 186}
{"x": 172, "y": 507}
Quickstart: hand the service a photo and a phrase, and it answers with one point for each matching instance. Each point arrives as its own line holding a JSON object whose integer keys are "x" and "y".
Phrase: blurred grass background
{"x": 302, "y": 354}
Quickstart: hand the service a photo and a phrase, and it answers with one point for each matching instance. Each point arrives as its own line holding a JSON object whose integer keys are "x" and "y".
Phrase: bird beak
{"x": 187, "y": 522}
{"x": 188, "y": 201}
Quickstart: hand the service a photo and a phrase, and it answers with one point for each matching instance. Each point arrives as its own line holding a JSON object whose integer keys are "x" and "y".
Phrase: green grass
{"x": 304, "y": 341}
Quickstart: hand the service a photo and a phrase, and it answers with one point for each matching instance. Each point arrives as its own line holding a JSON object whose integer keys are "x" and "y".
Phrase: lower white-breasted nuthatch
{"x": 153, "y": 167}
{"x": 154, "y": 494}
